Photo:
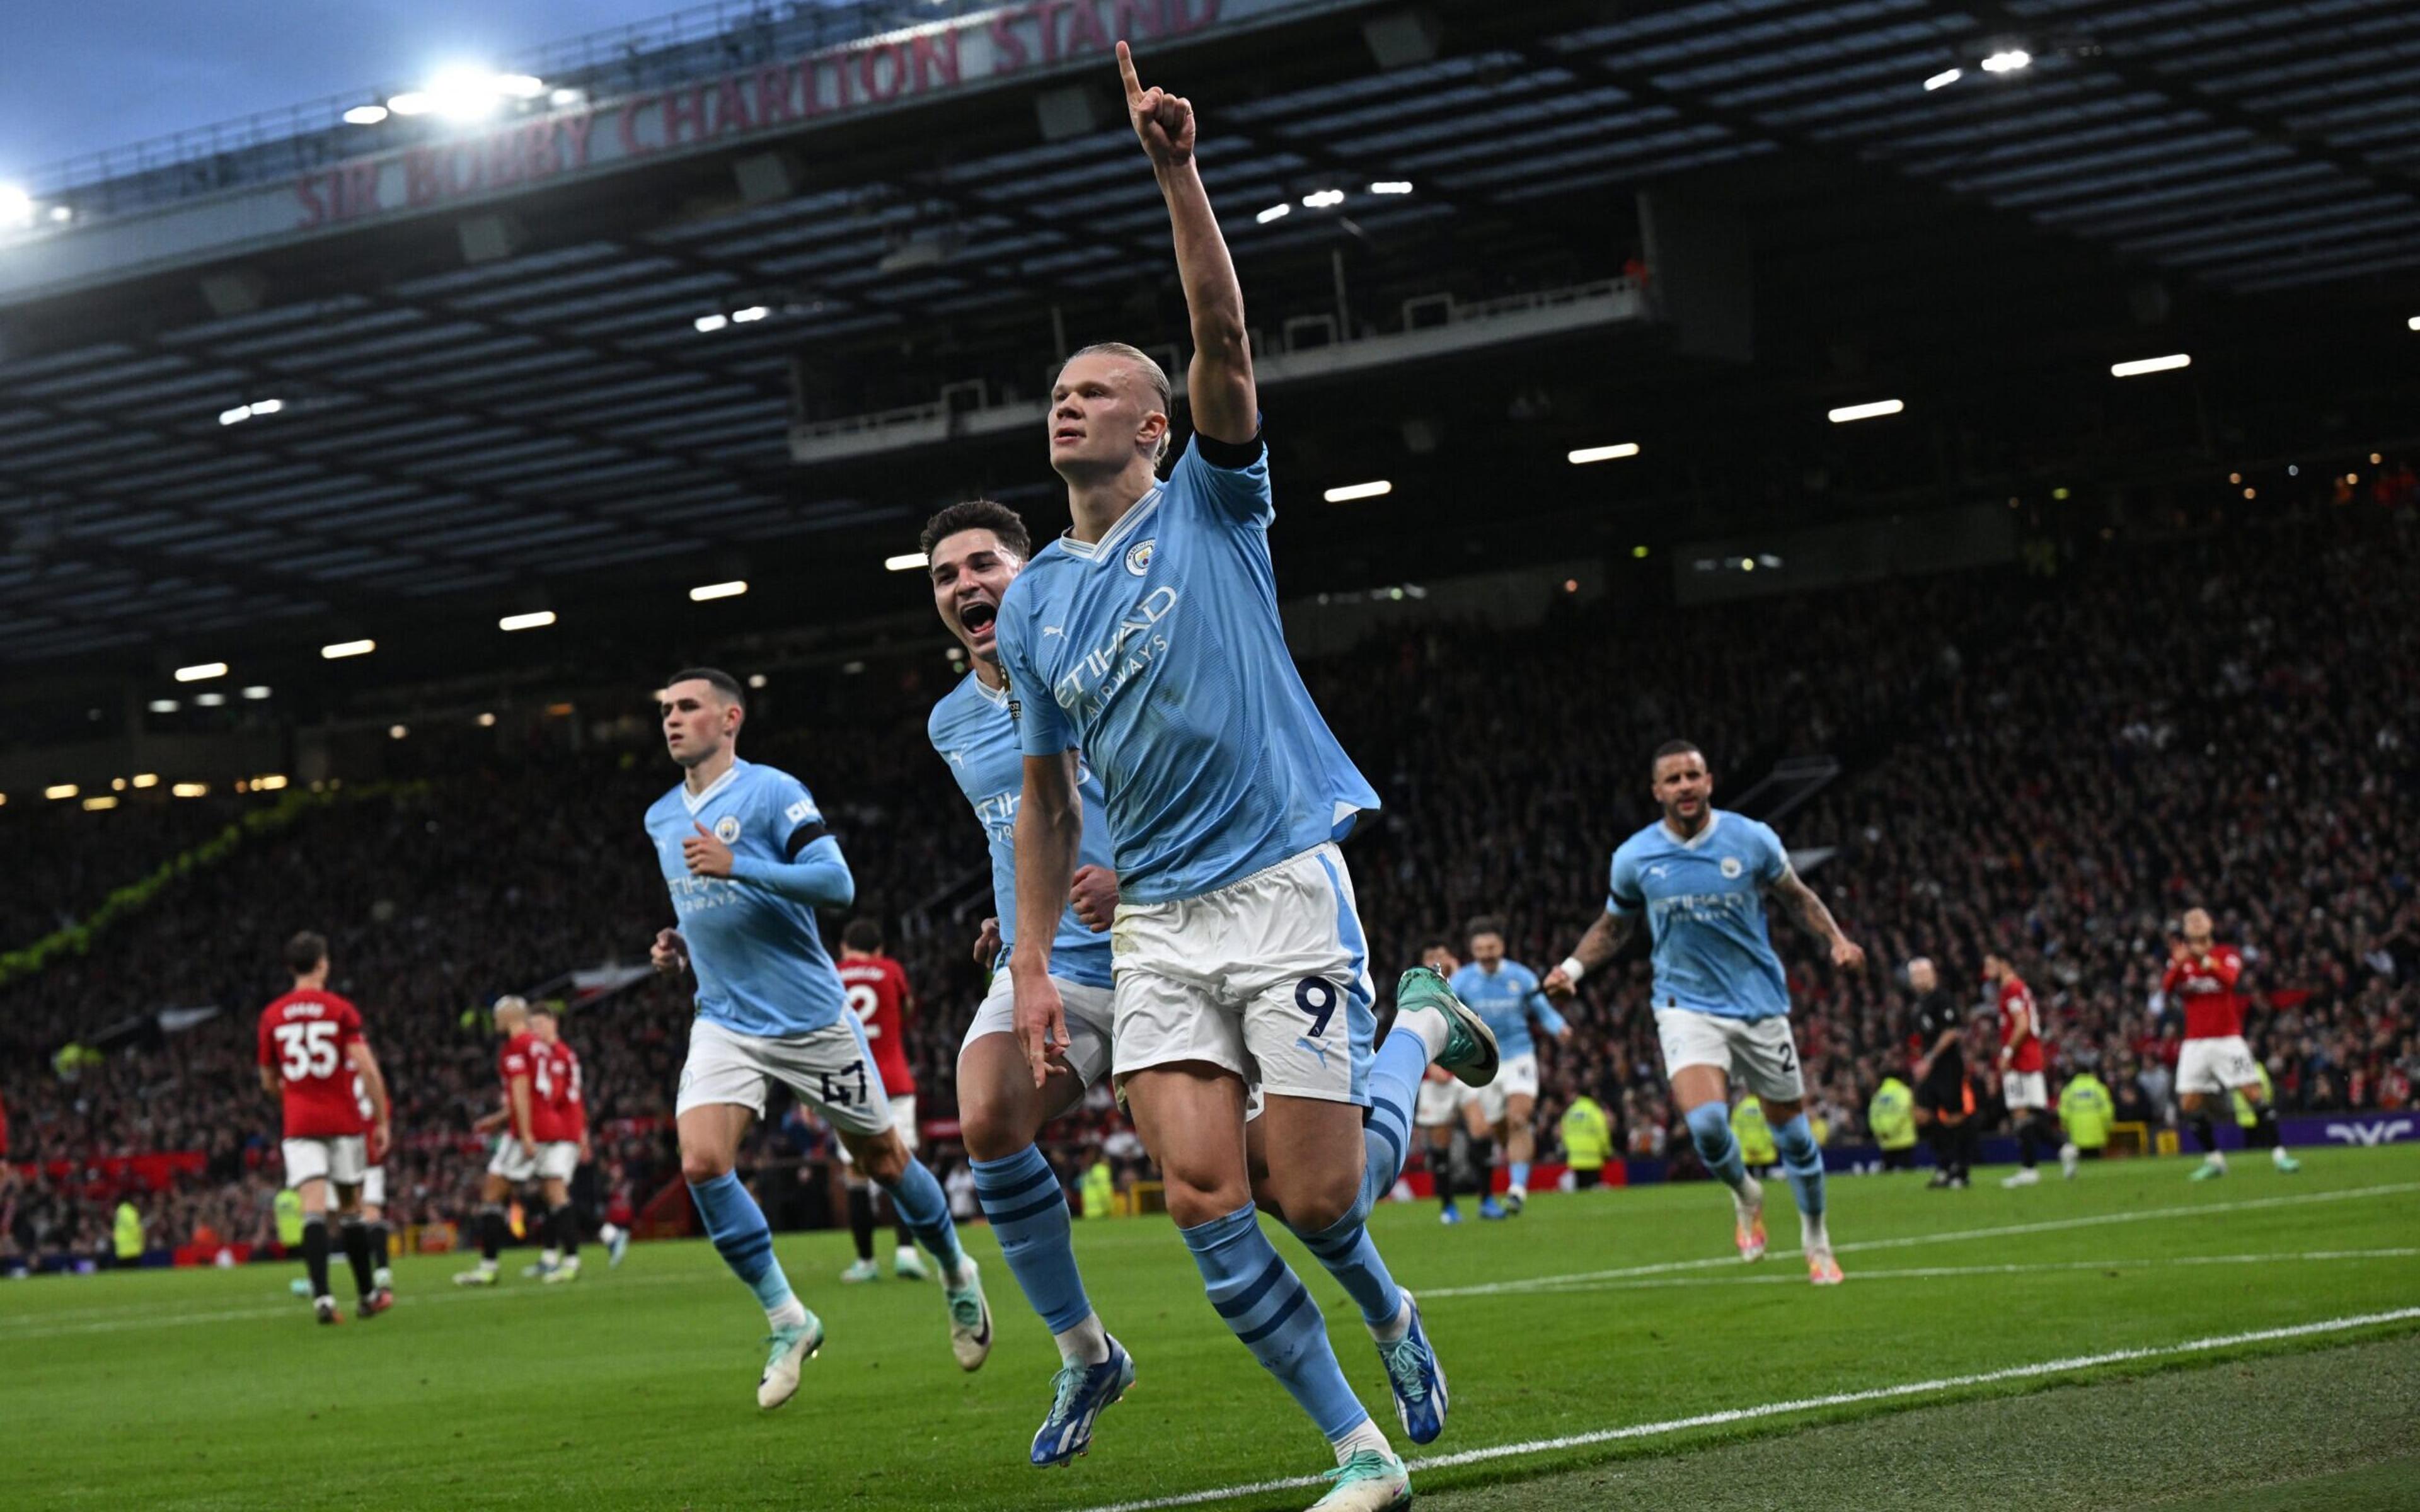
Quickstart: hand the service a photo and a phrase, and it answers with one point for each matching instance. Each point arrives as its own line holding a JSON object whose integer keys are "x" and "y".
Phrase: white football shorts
{"x": 1757, "y": 1054}
{"x": 1439, "y": 1106}
{"x": 1518, "y": 1076}
{"x": 374, "y": 1187}
{"x": 339, "y": 1158}
{"x": 903, "y": 1118}
{"x": 2021, "y": 1090}
{"x": 1267, "y": 976}
{"x": 2210, "y": 1066}
{"x": 1092, "y": 1012}
{"x": 831, "y": 1070}
{"x": 516, "y": 1163}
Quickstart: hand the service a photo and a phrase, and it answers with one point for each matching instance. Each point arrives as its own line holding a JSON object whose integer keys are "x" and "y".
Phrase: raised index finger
{"x": 1126, "y": 72}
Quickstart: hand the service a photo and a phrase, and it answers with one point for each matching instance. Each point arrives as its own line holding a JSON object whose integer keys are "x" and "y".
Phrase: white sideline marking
{"x": 1921, "y": 1273}
{"x": 156, "y": 1318}
{"x": 1803, "y": 1404}
{"x": 2001, "y": 1231}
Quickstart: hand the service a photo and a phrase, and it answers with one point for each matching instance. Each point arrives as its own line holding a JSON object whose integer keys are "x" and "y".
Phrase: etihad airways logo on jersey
{"x": 1083, "y": 689}
{"x": 1708, "y": 907}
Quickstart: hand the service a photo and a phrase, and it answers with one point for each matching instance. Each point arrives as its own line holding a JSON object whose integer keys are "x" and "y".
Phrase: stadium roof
{"x": 679, "y": 320}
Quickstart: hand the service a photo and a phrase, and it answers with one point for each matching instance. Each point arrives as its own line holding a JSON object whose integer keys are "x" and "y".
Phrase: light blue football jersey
{"x": 1506, "y": 998}
{"x": 759, "y": 957}
{"x": 971, "y": 729}
{"x": 1704, "y": 902}
{"x": 1157, "y": 650}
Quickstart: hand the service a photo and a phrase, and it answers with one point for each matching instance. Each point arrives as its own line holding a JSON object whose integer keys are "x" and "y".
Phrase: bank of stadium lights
{"x": 201, "y": 671}
{"x": 253, "y": 410}
{"x": 705, "y": 593}
{"x": 2007, "y": 60}
{"x": 61, "y": 792}
{"x": 1944, "y": 79}
{"x": 2413, "y": 324}
{"x": 1323, "y": 199}
{"x": 2150, "y": 365}
{"x": 165, "y": 705}
{"x": 1602, "y": 454}
{"x": 100, "y": 802}
{"x": 256, "y": 692}
{"x": 1874, "y": 410}
{"x": 339, "y": 650}
{"x": 746, "y": 314}
{"x": 209, "y": 701}
{"x": 911, "y": 562}
{"x": 1328, "y": 199}
{"x": 535, "y": 619}
{"x": 1391, "y": 186}
{"x": 461, "y": 94}
{"x": 1275, "y": 212}
{"x": 190, "y": 790}
{"x": 1347, "y": 493}
{"x": 366, "y": 115}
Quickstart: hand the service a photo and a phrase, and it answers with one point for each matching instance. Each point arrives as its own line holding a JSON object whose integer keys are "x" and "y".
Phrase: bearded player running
{"x": 1721, "y": 998}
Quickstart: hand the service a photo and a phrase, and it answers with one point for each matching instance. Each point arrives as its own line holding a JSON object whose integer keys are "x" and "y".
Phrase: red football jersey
{"x": 309, "y": 1036}
{"x": 556, "y": 1113}
{"x": 2206, "y": 986}
{"x": 523, "y": 1055}
{"x": 877, "y": 989}
{"x": 2015, "y": 995}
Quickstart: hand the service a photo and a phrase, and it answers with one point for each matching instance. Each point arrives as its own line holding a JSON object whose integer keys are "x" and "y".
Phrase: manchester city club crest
{"x": 1139, "y": 556}
{"x": 726, "y": 829}
{"x": 1731, "y": 866}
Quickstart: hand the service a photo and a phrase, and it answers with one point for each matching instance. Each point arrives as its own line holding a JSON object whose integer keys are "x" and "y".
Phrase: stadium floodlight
{"x": 267, "y": 407}
{"x": 62, "y": 215}
{"x": 96, "y": 805}
{"x": 2150, "y": 365}
{"x": 909, "y": 562}
{"x": 1351, "y": 491}
{"x": 756, "y": 679}
{"x": 1945, "y": 79}
{"x": 366, "y": 115}
{"x": 165, "y": 705}
{"x": 16, "y": 207}
{"x": 1275, "y": 212}
{"x": 256, "y": 691}
{"x": 397, "y": 732}
{"x": 270, "y": 783}
{"x": 1391, "y": 186}
{"x": 566, "y": 97}
{"x": 750, "y": 313}
{"x": 1604, "y": 454}
{"x": 1879, "y": 407}
{"x": 411, "y": 102}
{"x": 339, "y": 650}
{"x": 707, "y": 324}
{"x": 708, "y": 590}
{"x": 535, "y": 619}
{"x": 201, "y": 671}
{"x": 2413, "y": 323}
{"x": 2007, "y": 60}
{"x": 486, "y": 721}
{"x": 519, "y": 85}
{"x": 57, "y": 791}
{"x": 1323, "y": 198}
{"x": 236, "y": 416}
{"x": 146, "y": 779}
{"x": 209, "y": 700}
{"x": 190, "y": 790}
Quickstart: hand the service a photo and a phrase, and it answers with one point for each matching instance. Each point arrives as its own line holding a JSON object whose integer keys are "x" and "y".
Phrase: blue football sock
{"x": 927, "y": 1212}
{"x": 1021, "y": 1195}
{"x": 742, "y": 1237}
{"x": 1520, "y": 1174}
{"x": 1709, "y": 1128}
{"x": 1394, "y": 1087}
{"x": 1804, "y": 1160}
{"x": 1350, "y": 1257}
{"x": 1272, "y": 1313}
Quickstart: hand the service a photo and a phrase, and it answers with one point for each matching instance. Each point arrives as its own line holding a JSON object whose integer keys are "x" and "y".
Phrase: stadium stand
{"x": 2055, "y": 760}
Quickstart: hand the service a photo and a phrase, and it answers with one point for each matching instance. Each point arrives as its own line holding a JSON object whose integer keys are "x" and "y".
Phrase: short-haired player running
{"x": 973, "y": 552}
{"x": 1505, "y": 993}
{"x": 880, "y": 995}
{"x": 311, "y": 1056}
{"x": 1721, "y": 999}
{"x": 748, "y": 861}
{"x": 2204, "y": 975}
{"x": 1148, "y": 639}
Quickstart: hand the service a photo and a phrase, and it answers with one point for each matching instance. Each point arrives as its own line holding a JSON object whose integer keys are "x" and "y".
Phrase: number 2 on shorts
{"x": 1316, "y": 996}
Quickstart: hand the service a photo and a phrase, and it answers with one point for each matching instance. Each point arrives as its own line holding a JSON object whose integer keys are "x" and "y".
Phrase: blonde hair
{"x": 1153, "y": 373}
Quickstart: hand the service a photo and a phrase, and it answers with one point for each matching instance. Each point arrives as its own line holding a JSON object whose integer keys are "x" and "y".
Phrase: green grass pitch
{"x": 1595, "y": 1313}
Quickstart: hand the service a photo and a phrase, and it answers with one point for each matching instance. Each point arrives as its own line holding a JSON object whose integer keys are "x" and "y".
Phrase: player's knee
{"x": 1794, "y": 1140}
{"x": 884, "y": 1161}
{"x": 1710, "y": 1126}
{"x": 699, "y": 1166}
{"x": 991, "y": 1131}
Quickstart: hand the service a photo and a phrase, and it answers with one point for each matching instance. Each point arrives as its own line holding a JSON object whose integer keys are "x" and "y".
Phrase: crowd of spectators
{"x": 2054, "y": 764}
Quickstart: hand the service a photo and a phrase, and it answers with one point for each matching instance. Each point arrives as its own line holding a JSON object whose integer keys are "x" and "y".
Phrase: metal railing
{"x": 699, "y": 41}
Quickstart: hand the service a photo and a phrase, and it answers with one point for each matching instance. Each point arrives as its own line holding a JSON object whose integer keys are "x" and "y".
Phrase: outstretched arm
{"x": 1800, "y": 901}
{"x": 1601, "y": 943}
{"x": 1218, "y": 384}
